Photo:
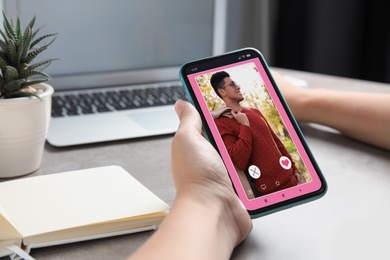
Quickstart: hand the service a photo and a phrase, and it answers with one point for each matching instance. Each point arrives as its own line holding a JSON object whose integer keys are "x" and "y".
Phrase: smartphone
{"x": 247, "y": 120}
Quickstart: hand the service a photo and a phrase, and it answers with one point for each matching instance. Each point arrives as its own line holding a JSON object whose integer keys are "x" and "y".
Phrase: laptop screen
{"x": 105, "y": 42}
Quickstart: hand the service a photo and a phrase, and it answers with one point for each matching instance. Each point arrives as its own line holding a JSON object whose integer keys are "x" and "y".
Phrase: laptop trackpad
{"x": 156, "y": 120}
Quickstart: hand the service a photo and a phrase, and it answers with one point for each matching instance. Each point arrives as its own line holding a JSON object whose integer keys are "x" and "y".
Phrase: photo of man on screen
{"x": 251, "y": 143}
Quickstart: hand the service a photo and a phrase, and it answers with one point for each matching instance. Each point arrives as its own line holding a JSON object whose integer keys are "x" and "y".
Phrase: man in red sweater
{"x": 251, "y": 143}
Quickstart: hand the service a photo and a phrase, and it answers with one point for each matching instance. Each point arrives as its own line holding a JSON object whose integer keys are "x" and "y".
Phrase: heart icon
{"x": 285, "y": 162}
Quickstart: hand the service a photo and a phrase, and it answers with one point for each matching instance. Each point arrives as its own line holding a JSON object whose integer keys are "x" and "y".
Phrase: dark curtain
{"x": 349, "y": 38}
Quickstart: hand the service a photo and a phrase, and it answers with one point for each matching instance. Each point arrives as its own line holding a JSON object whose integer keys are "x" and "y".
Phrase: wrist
{"x": 204, "y": 197}
{"x": 304, "y": 102}
{"x": 217, "y": 226}
{"x": 309, "y": 102}
{"x": 223, "y": 210}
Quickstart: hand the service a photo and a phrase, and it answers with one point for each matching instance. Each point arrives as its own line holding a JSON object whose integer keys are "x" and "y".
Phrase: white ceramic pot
{"x": 24, "y": 123}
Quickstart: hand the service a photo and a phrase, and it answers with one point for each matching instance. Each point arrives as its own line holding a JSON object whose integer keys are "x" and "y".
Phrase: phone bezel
{"x": 232, "y": 58}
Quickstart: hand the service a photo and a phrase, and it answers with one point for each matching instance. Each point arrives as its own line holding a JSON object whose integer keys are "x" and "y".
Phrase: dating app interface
{"x": 263, "y": 153}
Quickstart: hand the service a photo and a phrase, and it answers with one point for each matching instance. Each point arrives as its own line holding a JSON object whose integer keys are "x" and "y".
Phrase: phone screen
{"x": 247, "y": 120}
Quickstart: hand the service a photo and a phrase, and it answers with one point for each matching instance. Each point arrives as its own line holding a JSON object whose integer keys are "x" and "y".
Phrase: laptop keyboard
{"x": 107, "y": 100}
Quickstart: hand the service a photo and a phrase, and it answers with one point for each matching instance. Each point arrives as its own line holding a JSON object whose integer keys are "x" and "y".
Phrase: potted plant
{"x": 25, "y": 100}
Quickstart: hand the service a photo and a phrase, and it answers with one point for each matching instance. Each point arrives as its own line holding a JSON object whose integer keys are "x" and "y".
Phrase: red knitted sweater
{"x": 257, "y": 145}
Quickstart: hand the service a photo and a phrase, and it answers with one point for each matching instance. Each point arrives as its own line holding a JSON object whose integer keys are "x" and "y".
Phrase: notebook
{"x": 74, "y": 206}
{"x": 121, "y": 47}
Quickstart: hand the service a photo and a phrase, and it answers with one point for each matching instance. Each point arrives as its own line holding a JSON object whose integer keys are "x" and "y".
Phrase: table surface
{"x": 349, "y": 222}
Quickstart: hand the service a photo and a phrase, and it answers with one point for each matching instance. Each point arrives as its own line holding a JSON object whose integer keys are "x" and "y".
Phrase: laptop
{"x": 119, "y": 73}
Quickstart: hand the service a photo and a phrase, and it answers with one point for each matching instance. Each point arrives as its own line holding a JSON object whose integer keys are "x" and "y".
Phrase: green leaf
{"x": 35, "y": 42}
{"x": 32, "y": 22}
{"x": 18, "y": 32}
{"x": 42, "y": 63}
{"x": 10, "y": 74}
{"x": 3, "y": 54}
{"x": 31, "y": 55}
{"x": 32, "y": 82}
{"x": 25, "y": 44}
{"x": 3, "y": 63}
{"x": 29, "y": 73}
{"x": 8, "y": 28}
{"x": 36, "y": 31}
{"x": 12, "y": 53}
{"x": 3, "y": 45}
{"x": 4, "y": 36}
{"x": 13, "y": 85}
{"x": 2, "y": 89}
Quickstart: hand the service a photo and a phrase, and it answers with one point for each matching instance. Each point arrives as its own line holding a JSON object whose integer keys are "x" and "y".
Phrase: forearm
{"x": 192, "y": 230}
{"x": 363, "y": 116}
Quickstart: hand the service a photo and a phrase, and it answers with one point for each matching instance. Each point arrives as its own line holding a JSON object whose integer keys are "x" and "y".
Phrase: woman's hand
{"x": 207, "y": 220}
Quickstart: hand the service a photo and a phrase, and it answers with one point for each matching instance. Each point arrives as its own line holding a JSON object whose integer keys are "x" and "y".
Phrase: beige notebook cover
{"x": 74, "y": 206}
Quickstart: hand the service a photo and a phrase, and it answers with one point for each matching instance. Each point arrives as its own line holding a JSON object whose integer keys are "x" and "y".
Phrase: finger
{"x": 188, "y": 116}
{"x": 234, "y": 114}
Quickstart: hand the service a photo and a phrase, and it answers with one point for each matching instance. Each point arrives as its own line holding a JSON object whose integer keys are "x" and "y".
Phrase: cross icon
{"x": 254, "y": 171}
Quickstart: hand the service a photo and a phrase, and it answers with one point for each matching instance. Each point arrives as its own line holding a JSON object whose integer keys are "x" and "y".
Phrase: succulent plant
{"x": 18, "y": 49}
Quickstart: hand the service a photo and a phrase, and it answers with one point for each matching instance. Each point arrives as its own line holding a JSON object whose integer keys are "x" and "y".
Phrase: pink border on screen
{"x": 275, "y": 197}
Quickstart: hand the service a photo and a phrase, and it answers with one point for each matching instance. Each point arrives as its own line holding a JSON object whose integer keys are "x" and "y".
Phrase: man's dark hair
{"x": 217, "y": 80}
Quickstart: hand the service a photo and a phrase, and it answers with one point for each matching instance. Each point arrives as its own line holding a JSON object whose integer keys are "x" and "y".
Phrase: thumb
{"x": 188, "y": 116}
